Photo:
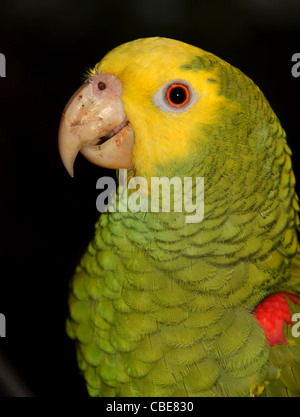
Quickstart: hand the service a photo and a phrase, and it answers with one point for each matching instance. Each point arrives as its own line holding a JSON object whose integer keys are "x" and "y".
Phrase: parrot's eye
{"x": 176, "y": 96}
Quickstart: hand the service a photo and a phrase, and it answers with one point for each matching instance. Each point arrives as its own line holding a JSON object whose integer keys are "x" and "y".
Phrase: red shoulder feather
{"x": 272, "y": 313}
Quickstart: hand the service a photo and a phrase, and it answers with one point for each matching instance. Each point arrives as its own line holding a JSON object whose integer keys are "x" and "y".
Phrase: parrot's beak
{"x": 95, "y": 124}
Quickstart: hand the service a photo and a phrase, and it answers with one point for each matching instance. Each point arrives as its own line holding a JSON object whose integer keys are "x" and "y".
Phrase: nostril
{"x": 101, "y": 85}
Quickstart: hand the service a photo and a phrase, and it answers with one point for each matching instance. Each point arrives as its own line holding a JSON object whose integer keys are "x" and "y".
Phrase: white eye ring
{"x": 184, "y": 96}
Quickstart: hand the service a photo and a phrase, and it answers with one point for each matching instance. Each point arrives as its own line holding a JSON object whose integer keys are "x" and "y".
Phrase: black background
{"x": 47, "y": 218}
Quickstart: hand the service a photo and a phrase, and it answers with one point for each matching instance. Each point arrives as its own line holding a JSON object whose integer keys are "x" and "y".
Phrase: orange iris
{"x": 178, "y": 95}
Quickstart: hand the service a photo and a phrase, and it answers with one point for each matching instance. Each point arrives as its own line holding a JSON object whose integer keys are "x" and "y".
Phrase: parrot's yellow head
{"x": 162, "y": 107}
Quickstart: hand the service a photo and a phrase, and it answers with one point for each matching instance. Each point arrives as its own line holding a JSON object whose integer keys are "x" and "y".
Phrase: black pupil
{"x": 101, "y": 86}
{"x": 177, "y": 95}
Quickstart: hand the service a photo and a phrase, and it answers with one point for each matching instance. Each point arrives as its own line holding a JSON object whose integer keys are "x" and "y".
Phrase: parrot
{"x": 162, "y": 307}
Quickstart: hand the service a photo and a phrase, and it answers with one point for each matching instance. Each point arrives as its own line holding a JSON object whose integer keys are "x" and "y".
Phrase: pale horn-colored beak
{"x": 95, "y": 124}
